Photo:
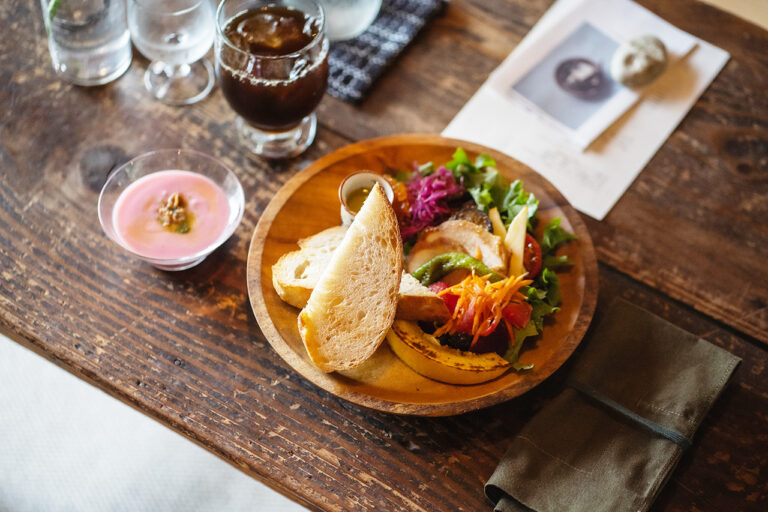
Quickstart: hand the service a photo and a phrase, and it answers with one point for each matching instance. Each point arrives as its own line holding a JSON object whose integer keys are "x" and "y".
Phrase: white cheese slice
{"x": 515, "y": 242}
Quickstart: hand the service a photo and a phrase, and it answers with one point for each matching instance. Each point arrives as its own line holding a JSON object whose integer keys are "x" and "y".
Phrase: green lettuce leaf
{"x": 513, "y": 351}
{"x": 489, "y": 188}
{"x": 555, "y": 262}
{"x": 553, "y": 236}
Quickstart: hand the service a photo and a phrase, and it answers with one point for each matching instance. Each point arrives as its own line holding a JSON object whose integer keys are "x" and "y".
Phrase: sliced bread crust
{"x": 296, "y": 274}
{"x": 353, "y": 304}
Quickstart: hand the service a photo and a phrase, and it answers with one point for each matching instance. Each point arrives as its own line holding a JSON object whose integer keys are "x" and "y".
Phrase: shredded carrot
{"x": 485, "y": 300}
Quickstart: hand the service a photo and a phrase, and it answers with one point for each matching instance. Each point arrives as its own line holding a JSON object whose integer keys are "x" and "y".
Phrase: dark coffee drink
{"x": 281, "y": 73}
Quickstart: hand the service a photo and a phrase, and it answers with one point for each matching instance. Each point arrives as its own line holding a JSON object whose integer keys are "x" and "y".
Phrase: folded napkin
{"x": 357, "y": 63}
{"x": 610, "y": 440}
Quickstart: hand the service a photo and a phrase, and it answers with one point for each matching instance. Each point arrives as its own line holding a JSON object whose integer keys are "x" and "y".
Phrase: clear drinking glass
{"x": 272, "y": 65}
{"x": 175, "y": 35}
{"x": 88, "y": 40}
{"x": 347, "y": 19}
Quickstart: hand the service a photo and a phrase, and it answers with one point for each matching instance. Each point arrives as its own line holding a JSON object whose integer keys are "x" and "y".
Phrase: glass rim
{"x": 220, "y": 36}
{"x": 225, "y": 234}
{"x": 180, "y": 12}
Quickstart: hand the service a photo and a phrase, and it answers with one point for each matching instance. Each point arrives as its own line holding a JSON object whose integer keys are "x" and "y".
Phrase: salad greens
{"x": 488, "y": 188}
{"x": 552, "y": 237}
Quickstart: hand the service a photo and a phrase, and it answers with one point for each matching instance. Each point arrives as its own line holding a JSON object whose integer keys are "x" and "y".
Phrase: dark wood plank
{"x": 185, "y": 350}
{"x": 694, "y": 222}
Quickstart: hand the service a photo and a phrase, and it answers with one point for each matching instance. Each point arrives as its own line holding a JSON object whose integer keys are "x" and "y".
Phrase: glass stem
{"x": 176, "y": 71}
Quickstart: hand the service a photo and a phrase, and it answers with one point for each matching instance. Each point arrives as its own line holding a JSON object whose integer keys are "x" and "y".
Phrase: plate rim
{"x": 329, "y": 384}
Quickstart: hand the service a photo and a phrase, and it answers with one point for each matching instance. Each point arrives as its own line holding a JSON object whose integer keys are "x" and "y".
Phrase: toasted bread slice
{"x": 296, "y": 273}
{"x": 328, "y": 239}
{"x": 353, "y": 304}
{"x": 417, "y": 302}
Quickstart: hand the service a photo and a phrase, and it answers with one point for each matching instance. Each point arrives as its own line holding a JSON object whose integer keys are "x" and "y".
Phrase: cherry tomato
{"x": 464, "y": 324}
{"x": 438, "y": 286}
{"x": 517, "y": 313}
{"x": 532, "y": 256}
{"x": 450, "y": 301}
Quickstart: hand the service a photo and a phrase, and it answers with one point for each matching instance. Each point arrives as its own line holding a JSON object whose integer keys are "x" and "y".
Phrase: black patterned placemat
{"x": 357, "y": 63}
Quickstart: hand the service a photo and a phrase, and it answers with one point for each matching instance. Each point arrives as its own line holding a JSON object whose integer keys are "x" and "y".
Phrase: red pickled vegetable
{"x": 427, "y": 197}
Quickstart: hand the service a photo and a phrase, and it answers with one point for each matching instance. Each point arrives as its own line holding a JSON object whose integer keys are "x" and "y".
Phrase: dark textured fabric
{"x": 583, "y": 454}
{"x": 357, "y": 63}
{"x": 673, "y": 435}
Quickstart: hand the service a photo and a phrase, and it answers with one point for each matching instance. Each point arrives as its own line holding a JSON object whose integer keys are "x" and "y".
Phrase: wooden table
{"x": 689, "y": 241}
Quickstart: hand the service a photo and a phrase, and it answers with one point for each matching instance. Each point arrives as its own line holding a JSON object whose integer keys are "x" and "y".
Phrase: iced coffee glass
{"x": 272, "y": 65}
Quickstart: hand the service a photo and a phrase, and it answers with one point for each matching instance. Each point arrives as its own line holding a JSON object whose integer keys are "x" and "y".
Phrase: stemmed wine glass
{"x": 175, "y": 35}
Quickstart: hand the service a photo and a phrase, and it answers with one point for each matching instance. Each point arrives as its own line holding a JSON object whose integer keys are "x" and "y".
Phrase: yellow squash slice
{"x": 426, "y": 356}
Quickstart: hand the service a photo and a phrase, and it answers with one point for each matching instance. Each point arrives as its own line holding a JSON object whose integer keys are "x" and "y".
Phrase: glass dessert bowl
{"x": 171, "y": 208}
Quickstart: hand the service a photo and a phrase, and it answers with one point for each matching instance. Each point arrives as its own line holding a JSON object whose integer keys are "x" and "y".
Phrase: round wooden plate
{"x": 309, "y": 203}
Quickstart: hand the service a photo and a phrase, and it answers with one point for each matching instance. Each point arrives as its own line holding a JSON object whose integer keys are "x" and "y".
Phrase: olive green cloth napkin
{"x": 610, "y": 440}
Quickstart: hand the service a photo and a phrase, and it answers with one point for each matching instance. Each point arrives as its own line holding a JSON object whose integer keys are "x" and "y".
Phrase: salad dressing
{"x": 357, "y": 198}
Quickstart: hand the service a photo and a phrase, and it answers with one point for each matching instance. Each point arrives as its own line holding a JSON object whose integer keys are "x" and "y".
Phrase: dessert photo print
{"x": 572, "y": 85}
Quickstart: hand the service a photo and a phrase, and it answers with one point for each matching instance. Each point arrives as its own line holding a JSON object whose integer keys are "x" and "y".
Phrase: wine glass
{"x": 175, "y": 35}
{"x": 272, "y": 65}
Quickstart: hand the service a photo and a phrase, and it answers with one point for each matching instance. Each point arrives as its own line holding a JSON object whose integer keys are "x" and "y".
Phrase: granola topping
{"x": 173, "y": 215}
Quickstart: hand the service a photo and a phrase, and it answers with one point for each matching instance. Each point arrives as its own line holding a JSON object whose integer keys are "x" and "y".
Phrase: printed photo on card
{"x": 568, "y": 81}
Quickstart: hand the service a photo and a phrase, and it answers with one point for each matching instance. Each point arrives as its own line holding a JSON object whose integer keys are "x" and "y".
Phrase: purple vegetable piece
{"x": 428, "y": 197}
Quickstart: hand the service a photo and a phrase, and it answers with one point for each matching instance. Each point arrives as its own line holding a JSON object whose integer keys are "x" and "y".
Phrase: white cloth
{"x": 67, "y": 446}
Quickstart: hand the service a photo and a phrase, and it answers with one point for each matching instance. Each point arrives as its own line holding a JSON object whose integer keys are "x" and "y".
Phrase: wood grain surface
{"x": 308, "y": 203}
{"x": 687, "y": 241}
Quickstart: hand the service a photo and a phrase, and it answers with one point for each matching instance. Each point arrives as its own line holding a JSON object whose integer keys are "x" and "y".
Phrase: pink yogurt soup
{"x": 135, "y": 215}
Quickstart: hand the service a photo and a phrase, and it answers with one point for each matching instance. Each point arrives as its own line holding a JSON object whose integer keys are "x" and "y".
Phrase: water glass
{"x": 272, "y": 65}
{"x": 175, "y": 35}
{"x": 347, "y": 19}
{"x": 88, "y": 40}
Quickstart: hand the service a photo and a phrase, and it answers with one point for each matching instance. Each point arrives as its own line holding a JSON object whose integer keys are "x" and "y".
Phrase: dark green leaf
{"x": 553, "y": 236}
{"x": 513, "y": 351}
{"x": 554, "y": 262}
{"x": 427, "y": 169}
{"x": 549, "y": 281}
{"x": 402, "y": 176}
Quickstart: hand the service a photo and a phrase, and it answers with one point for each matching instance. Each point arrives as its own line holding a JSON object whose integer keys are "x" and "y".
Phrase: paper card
{"x": 564, "y": 75}
{"x": 595, "y": 178}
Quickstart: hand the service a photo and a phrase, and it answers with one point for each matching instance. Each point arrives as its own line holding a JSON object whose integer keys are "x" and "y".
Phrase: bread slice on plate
{"x": 353, "y": 303}
{"x": 417, "y": 302}
{"x": 296, "y": 273}
{"x": 327, "y": 240}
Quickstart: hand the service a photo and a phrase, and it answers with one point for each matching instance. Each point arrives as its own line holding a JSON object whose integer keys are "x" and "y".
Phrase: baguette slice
{"x": 353, "y": 304}
{"x": 328, "y": 239}
{"x": 296, "y": 274}
{"x": 417, "y": 302}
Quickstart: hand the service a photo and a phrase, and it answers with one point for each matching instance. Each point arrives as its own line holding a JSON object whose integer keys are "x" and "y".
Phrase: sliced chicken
{"x": 469, "y": 211}
{"x": 458, "y": 236}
